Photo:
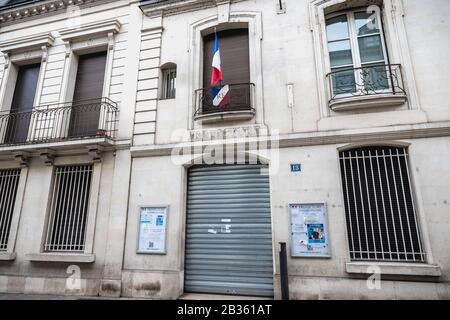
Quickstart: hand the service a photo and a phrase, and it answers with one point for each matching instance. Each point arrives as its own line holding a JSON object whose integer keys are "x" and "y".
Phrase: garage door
{"x": 229, "y": 238}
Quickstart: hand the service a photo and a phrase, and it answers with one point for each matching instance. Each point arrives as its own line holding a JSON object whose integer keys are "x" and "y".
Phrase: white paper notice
{"x": 309, "y": 233}
{"x": 152, "y": 230}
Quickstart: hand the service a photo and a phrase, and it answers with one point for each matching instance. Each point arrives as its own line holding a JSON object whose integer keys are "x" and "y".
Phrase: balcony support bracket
{"x": 95, "y": 152}
{"x": 48, "y": 156}
{"x": 22, "y": 158}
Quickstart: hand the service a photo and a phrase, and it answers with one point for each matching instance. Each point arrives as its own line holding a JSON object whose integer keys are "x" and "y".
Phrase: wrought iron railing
{"x": 366, "y": 81}
{"x": 240, "y": 99}
{"x": 59, "y": 122}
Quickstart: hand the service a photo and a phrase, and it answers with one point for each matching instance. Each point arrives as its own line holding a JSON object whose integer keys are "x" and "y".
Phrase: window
{"x": 235, "y": 62}
{"x": 381, "y": 218}
{"x": 358, "y": 57}
{"x": 169, "y": 83}
{"x": 9, "y": 181}
{"x": 87, "y": 96}
{"x": 18, "y": 122}
{"x": 66, "y": 229}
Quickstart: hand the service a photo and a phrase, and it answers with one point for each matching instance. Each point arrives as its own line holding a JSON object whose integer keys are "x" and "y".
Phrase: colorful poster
{"x": 152, "y": 230}
{"x": 309, "y": 233}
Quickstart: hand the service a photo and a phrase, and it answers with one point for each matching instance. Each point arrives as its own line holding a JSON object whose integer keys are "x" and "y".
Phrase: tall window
{"x": 9, "y": 181}
{"x": 381, "y": 217}
{"x": 235, "y": 61}
{"x": 169, "y": 76}
{"x": 66, "y": 229}
{"x": 358, "y": 57}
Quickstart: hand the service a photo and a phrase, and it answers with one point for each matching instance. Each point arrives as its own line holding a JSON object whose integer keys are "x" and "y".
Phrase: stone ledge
{"x": 7, "y": 256}
{"x": 392, "y": 268}
{"x": 61, "y": 257}
{"x": 369, "y": 101}
{"x": 226, "y": 116}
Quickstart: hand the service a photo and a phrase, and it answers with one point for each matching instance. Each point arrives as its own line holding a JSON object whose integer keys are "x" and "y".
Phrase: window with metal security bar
{"x": 381, "y": 216}
{"x": 67, "y": 221}
{"x": 9, "y": 181}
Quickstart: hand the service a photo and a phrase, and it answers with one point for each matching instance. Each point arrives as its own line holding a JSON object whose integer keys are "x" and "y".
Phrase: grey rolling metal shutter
{"x": 229, "y": 236}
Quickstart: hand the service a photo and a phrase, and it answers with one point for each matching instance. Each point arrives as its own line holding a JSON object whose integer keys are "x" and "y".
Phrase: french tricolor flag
{"x": 220, "y": 95}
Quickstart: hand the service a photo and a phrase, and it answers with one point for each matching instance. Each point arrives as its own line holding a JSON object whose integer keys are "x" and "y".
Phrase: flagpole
{"x": 215, "y": 31}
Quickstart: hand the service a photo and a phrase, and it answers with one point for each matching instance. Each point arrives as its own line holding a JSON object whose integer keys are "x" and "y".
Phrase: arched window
{"x": 169, "y": 81}
{"x": 382, "y": 224}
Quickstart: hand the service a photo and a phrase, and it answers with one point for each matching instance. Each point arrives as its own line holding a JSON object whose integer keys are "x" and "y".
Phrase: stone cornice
{"x": 33, "y": 9}
{"x": 172, "y": 7}
{"x": 355, "y": 137}
{"x": 97, "y": 28}
{"x": 27, "y": 43}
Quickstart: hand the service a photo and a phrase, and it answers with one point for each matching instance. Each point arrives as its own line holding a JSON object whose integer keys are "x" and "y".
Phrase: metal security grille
{"x": 381, "y": 217}
{"x": 229, "y": 238}
{"x": 9, "y": 180}
{"x": 69, "y": 207}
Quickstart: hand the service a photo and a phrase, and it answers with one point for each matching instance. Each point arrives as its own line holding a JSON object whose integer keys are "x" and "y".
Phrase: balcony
{"x": 369, "y": 86}
{"x": 238, "y": 108}
{"x": 59, "y": 124}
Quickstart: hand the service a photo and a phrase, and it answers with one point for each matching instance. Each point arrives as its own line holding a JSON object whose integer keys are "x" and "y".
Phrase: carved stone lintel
{"x": 48, "y": 156}
{"x": 22, "y": 158}
{"x": 95, "y": 151}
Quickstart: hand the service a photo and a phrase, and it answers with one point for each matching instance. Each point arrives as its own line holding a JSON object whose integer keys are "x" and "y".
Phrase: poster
{"x": 309, "y": 230}
{"x": 152, "y": 230}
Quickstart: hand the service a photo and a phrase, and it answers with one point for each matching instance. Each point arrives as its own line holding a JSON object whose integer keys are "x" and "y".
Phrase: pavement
{"x": 189, "y": 296}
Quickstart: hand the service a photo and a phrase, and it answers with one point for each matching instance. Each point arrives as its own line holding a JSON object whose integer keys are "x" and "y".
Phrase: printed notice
{"x": 309, "y": 231}
{"x": 152, "y": 230}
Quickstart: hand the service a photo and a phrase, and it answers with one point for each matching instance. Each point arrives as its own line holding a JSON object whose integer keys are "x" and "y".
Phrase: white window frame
{"x": 88, "y": 255}
{"x": 237, "y": 19}
{"x": 88, "y": 38}
{"x": 429, "y": 268}
{"x": 395, "y": 35}
{"x": 10, "y": 254}
{"x": 20, "y": 52}
{"x": 354, "y": 47}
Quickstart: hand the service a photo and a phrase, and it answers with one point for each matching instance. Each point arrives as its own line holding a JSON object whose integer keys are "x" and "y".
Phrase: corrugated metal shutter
{"x": 229, "y": 237}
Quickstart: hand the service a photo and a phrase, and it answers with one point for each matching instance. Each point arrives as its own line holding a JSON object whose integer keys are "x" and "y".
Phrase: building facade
{"x": 334, "y": 138}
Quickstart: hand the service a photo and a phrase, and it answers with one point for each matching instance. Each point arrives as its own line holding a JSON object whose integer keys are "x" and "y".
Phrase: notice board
{"x": 309, "y": 230}
{"x": 152, "y": 229}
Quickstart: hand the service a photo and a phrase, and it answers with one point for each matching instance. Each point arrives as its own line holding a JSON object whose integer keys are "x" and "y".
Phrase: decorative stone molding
{"x": 28, "y": 43}
{"x": 173, "y": 7}
{"x": 91, "y": 30}
{"x": 28, "y": 10}
{"x": 227, "y": 133}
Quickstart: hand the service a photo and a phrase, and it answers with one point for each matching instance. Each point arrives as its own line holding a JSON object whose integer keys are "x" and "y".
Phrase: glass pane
{"x": 340, "y": 53}
{"x": 343, "y": 81}
{"x": 366, "y": 23}
{"x": 337, "y": 28}
{"x": 371, "y": 49}
{"x": 375, "y": 78}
